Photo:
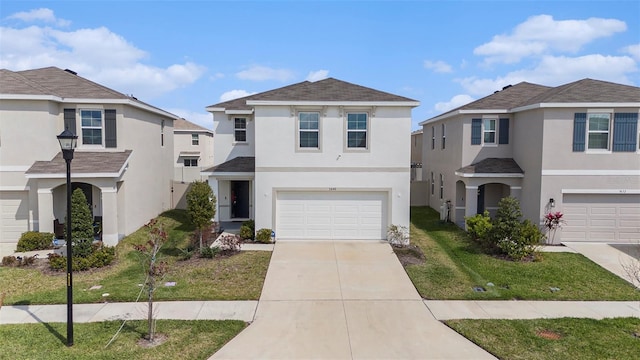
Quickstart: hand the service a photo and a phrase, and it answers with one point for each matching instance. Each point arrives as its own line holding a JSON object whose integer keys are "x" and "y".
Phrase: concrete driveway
{"x": 343, "y": 300}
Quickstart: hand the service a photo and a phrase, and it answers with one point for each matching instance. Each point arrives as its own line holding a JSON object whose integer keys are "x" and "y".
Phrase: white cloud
{"x": 541, "y": 34}
{"x": 262, "y": 73}
{"x": 633, "y": 50}
{"x": 438, "y": 66}
{"x": 203, "y": 119}
{"x": 234, "y": 94}
{"x": 558, "y": 70}
{"x": 216, "y": 76}
{"x": 115, "y": 63}
{"x": 455, "y": 102}
{"x": 317, "y": 75}
{"x": 42, "y": 14}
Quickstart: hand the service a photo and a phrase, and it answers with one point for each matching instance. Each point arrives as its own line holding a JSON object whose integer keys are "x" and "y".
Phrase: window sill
{"x": 240, "y": 143}
{"x": 590, "y": 152}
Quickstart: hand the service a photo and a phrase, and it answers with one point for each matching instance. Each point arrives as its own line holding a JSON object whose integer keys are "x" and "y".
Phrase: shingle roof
{"x": 588, "y": 91}
{"x": 82, "y": 163}
{"x": 238, "y": 164}
{"x": 493, "y": 166}
{"x": 183, "y": 124}
{"x": 330, "y": 90}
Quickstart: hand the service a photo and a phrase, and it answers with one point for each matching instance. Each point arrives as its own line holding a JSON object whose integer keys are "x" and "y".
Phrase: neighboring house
{"x": 572, "y": 148}
{"x": 314, "y": 160}
{"x": 123, "y": 160}
{"x": 193, "y": 150}
{"x": 416, "y": 155}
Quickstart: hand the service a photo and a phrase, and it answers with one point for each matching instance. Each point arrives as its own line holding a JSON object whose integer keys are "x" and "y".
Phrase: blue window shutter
{"x": 70, "y": 120}
{"x": 625, "y": 130}
{"x": 110, "y": 133}
{"x": 503, "y": 135}
{"x": 476, "y": 131}
{"x": 579, "y": 131}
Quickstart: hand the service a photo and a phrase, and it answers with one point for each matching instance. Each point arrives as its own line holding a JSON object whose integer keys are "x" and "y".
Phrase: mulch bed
{"x": 409, "y": 255}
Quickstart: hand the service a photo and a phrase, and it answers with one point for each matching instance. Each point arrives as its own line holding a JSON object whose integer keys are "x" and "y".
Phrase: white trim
{"x": 187, "y": 131}
{"x": 590, "y": 173}
{"x": 470, "y": 187}
{"x": 228, "y": 174}
{"x": 15, "y": 168}
{"x": 496, "y": 175}
{"x": 15, "y": 188}
{"x": 516, "y": 187}
{"x": 130, "y": 102}
{"x": 108, "y": 190}
{"x": 460, "y": 208}
{"x": 601, "y": 191}
{"x": 576, "y": 105}
{"x": 334, "y": 169}
{"x": 465, "y": 112}
{"x": 238, "y": 112}
{"x": 45, "y": 191}
{"x": 74, "y": 175}
{"x": 333, "y": 103}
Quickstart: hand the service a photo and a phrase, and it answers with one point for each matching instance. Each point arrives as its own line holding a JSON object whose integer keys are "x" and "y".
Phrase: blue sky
{"x": 185, "y": 55}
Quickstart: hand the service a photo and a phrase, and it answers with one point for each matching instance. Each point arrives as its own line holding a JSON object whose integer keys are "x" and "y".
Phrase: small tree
{"x": 81, "y": 225}
{"x": 154, "y": 269}
{"x": 201, "y": 207}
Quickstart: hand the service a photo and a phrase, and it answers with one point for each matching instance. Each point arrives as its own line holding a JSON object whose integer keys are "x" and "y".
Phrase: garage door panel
{"x": 341, "y": 215}
{"x": 14, "y": 215}
{"x": 602, "y": 217}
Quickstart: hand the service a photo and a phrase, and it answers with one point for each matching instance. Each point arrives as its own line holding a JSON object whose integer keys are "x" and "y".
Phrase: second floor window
{"x": 308, "y": 124}
{"x": 433, "y": 137}
{"x": 357, "y": 130}
{"x": 598, "y": 130}
{"x": 240, "y": 129}
{"x": 489, "y": 131}
{"x": 195, "y": 140}
{"x": 444, "y": 137}
{"x": 91, "y": 121}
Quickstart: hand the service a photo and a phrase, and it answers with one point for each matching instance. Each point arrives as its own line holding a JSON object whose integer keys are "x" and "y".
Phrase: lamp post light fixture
{"x": 68, "y": 142}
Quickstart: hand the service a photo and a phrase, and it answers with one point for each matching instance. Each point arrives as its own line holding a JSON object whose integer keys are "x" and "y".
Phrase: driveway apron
{"x": 343, "y": 300}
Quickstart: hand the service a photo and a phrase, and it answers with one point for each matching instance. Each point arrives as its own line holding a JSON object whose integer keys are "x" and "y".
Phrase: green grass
{"x": 582, "y": 339}
{"x": 186, "y": 340}
{"x": 454, "y": 265}
{"x": 239, "y": 277}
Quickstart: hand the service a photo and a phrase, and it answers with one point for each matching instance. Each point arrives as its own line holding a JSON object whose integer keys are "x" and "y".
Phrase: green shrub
{"x": 101, "y": 257}
{"x": 34, "y": 240}
{"x": 209, "y": 252}
{"x": 81, "y": 225}
{"x": 57, "y": 262}
{"x": 479, "y": 228}
{"x": 264, "y": 236}
{"x": 246, "y": 233}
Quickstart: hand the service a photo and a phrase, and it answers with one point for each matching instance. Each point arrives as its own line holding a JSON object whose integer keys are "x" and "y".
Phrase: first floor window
{"x": 433, "y": 185}
{"x": 598, "y": 131}
{"x": 357, "y": 130}
{"x": 444, "y": 137}
{"x": 190, "y": 162}
{"x": 195, "y": 140}
{"x": 308, "y": 123}
{"x": 240, "y": 129}
{"x": 489, "y": 131}
{"x": 91, "y": 127}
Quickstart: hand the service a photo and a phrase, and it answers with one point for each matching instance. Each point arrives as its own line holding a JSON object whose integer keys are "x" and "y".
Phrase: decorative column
{"x": 471, "y": 203}
{"x": 45, "y": 210}
{"x": 110, "y": 215}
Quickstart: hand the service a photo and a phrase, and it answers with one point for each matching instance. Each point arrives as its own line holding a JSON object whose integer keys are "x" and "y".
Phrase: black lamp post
{"x": 68, "y": 142}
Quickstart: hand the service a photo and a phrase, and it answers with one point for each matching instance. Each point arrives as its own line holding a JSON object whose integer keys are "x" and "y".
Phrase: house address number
{"x": 332, "y": 189}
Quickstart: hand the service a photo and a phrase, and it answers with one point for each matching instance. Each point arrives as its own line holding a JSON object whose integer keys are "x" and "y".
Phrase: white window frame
{"x": 588, "y": 130}
{"x": 195, "y": 139}
{"x": 441, "y": 187}
{"x": 162, "y": 133}
{"x": 444, "y": 136}
{"x": 365, "y": 131}
{"x": 494, "y": 131}
{"x": 92, "y": 127}
{"x": 433, "y": 184}
{"x": 433, "y": 137}
{"x": 236, "y": 129}
{"x": 299, "y": 131}
{"x": 190, "y": 162}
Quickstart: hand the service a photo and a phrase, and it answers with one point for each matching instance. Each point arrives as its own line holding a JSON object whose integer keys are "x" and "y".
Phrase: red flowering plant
{"x": 553, "y": 221}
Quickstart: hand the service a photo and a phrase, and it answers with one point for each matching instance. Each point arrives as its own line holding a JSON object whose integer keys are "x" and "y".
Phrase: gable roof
{"x": 492, "y": 167}
{"x": 182, "y": 124}
{"x": 329, "y": 90}
{"x": 85, "y": 164}
{"x": 55, "y": 84}
{"x": 526, "y": 95}
{"x": 240, "y": 164}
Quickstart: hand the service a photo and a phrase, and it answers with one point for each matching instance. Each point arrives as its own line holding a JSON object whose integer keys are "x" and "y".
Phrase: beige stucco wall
{"x": 224, "y": 147}
{"x": 182, "y": 142}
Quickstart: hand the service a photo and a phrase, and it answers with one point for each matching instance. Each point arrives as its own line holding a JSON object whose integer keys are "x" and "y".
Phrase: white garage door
{"x": 331, "y": 215}
{"x": 14, "y": 215}
{"x": 601, "y": 217}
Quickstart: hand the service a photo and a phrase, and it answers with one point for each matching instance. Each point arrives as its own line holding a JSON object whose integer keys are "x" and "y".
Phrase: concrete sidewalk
{"x": 178, "y": 310}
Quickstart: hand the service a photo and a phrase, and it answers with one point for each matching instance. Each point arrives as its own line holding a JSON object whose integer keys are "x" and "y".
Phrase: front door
{"x": 240, "y": 199}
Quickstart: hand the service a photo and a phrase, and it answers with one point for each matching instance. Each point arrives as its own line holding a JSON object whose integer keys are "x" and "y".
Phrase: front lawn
{"x": 238, "y": 277}
{"x": 454, "y": 266}
{"x": 185, "y": 340}
{"x": 566, "y": 338}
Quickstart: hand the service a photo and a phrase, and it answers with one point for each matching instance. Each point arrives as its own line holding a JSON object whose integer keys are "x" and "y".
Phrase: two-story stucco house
{"x": 123, "y": 160}
{"x": 193, "y": 150}
{"x": 572, "y": 148}
{"x": 314, "y": 160}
